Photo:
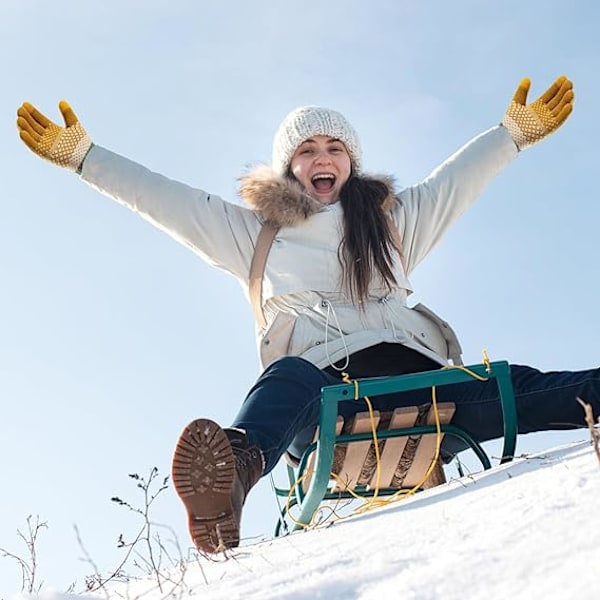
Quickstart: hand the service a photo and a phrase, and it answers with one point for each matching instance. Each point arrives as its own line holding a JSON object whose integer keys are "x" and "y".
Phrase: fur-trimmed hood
{"x": 282, "y": 201}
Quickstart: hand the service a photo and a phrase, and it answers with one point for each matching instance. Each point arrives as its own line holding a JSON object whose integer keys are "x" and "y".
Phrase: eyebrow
{"x": 329, "y": 141}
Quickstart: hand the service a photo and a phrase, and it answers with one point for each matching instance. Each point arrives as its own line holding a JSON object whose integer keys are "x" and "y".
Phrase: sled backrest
{"x": 327, "y": 454}
{"x": 403, "y": 461}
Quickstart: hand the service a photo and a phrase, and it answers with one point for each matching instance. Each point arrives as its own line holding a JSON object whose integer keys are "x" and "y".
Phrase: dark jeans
{"x": 281, "y": 410}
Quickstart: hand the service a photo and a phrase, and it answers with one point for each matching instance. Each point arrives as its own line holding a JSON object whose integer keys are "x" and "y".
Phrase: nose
{"x": 322, "y": 158}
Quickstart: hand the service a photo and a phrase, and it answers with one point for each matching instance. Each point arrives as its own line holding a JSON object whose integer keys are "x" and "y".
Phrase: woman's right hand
{"x": 63, "y": 146}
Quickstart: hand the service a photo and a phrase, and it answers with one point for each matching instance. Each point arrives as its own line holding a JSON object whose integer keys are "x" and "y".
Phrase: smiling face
{"x": 322, "y": 166}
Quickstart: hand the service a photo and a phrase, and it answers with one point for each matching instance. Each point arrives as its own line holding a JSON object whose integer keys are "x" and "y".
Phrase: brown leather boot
{"x": 213, "y": 471}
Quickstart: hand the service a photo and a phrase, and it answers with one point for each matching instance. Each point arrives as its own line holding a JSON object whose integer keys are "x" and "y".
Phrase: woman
{"x": 331, "y": 295}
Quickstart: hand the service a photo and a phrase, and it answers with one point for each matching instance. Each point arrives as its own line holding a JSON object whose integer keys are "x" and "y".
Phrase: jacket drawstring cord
{"x": 331, "y": 310}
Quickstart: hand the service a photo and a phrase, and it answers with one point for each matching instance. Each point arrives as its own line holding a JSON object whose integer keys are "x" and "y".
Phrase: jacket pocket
{"x": 453, "y": 348}
{"x": 275, "y": 341}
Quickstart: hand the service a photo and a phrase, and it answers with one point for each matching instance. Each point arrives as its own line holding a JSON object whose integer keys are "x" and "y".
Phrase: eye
{"x": 306, "y": 150}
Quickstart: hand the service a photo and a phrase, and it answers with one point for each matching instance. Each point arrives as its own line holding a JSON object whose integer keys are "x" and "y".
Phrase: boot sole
{"x": 203, "y": 471}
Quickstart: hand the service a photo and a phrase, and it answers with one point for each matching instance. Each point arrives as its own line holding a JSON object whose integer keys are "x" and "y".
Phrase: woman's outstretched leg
{"x": 214, "y": 468}
{"x": 545, "y": 401}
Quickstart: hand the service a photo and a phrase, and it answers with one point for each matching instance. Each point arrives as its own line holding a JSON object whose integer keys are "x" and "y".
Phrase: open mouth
{"x": 323, "y": 182}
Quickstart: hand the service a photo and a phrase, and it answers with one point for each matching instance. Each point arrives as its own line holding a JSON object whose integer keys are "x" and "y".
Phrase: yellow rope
{"x": 346, "y": 379}
{"x": 334, "y": 476}
{"x": 404, "y": 493}
{"x": 371, "y": 502}
{"x": 468, "y": 371}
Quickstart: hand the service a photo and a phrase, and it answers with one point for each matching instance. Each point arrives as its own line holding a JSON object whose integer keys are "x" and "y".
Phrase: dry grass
{"x": 594, "y": 426}
{"x": 28, "y": 565}
{"x": 145, "y": 556}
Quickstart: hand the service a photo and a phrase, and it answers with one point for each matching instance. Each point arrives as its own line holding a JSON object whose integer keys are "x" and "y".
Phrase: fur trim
{"x": 277, "y": 199}
{"x": 390, "y": 200}
{"x": 282, "y": 202}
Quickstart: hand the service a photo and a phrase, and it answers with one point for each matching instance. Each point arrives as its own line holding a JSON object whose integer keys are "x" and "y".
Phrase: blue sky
{"x": 113, "y": 336}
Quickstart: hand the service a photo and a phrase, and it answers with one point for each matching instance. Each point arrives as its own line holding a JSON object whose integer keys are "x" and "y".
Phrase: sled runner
{"x": 343, "y": 462}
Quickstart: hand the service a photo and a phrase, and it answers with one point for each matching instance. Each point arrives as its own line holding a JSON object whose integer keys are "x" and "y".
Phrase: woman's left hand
{"x": 530, "y": 123}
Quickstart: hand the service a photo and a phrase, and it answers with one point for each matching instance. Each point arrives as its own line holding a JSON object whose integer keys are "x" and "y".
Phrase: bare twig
{"x": 145, "y": 534}
{"x": 97, "y": 581}
{"x": 594, "y": 427}
{"x": 28, "y": 565}
{"x": 92, "y": 582}
{"x": 146, "y": 550}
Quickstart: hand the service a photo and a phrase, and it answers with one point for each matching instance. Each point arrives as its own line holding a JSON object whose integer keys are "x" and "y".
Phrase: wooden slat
{"x": 310, "y": 465}
{"x": 426, "y": 449}
{"x": 394, "y": 447}
{"x": 356, "y": 452}
{"x": 404, "y": 460}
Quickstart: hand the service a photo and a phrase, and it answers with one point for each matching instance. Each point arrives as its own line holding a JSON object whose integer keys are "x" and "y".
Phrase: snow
{"x": 526, "y": 529}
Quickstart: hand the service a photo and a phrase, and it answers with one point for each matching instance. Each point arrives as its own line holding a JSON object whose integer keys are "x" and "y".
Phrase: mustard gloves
{"x": 530, "y": 123}
{"x": 63, "y": 146}
{"x": 67, "y": 146}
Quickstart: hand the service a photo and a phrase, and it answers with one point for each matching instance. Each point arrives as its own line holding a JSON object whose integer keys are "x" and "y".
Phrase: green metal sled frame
{"x": 310, "y": 500}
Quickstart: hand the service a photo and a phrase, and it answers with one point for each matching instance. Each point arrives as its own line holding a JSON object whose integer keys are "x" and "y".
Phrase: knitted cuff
{"x": 65, "y": 147}
{"x": 528, "y": 124}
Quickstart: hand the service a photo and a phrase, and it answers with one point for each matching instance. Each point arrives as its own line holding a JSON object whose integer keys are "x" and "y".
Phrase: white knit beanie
{"x": 306, "y": 121}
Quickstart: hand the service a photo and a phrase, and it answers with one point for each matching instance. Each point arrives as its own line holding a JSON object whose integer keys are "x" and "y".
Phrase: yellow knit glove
{"x": 530, "y": 123}
{"x": 63, "y": 146}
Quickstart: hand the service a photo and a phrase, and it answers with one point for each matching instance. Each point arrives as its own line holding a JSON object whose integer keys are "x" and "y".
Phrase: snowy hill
{"x": 528, "y": 529}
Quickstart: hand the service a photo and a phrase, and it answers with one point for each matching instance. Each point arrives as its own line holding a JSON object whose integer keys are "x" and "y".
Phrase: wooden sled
{"x": 341, "y": 462}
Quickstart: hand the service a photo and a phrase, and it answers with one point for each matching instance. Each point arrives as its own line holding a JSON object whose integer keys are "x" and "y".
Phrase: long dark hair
{"x": 367, "y": 247}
